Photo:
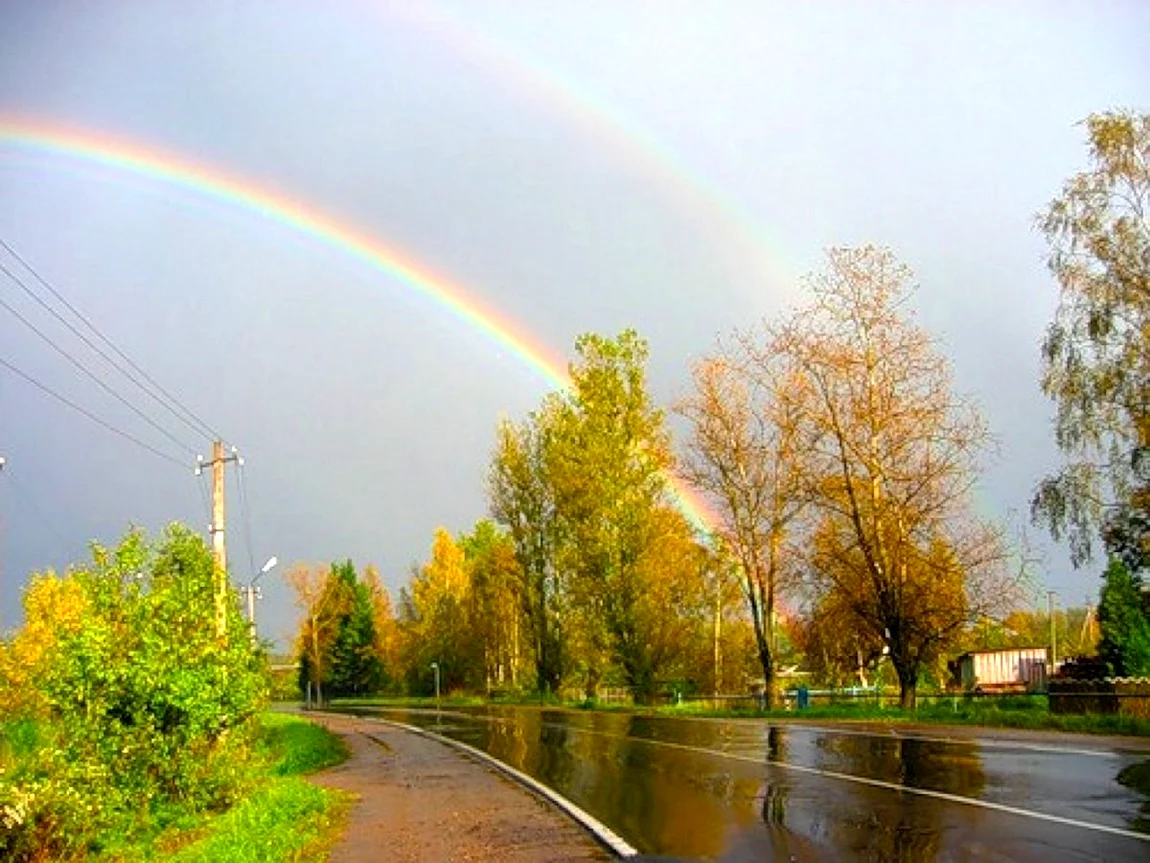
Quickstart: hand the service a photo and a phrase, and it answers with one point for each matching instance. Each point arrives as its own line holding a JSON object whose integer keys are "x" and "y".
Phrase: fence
{"x": 1122, "y": 696}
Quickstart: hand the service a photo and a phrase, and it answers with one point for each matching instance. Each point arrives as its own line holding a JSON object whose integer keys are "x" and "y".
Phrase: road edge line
{"x": 600, "y": 831}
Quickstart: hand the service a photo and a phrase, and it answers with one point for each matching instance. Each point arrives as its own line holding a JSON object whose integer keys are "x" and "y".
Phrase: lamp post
{"x": 435, "y": 668}
{"x": 253, "y": 592}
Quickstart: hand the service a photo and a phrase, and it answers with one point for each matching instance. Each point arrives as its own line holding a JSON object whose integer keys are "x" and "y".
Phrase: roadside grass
{"x": 284, "y": 818}
{"x": 1020, "y": 712}
{"x": 417, "y": 702}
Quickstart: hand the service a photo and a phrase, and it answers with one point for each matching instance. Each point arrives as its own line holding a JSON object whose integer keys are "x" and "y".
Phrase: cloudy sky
{"x": 672, "y": 166}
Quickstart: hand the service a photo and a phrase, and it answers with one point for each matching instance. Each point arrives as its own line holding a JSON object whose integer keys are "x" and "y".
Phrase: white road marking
{"x": 898, "y": 734}
{"x": 879, "y": 783}
{"x": 860, "y": 780}
{"x": 597, "y": 828}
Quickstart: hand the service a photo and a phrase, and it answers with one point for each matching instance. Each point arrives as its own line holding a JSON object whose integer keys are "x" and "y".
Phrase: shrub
{"x": 139, "y": 703}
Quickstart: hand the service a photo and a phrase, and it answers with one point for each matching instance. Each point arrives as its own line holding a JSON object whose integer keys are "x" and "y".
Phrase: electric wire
{"x": 29, "y": 499}
{"x": 205, "y": 498}
{"x": 93, "y": 376}
{"x": 245, "y": 515}
{"x": 110, "y": 360}
{"x": 204, "y": 427}
{"x": 91, "y": 416}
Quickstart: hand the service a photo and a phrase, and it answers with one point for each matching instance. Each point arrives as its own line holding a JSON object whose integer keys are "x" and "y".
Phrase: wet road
{"x": 738, "y": 790}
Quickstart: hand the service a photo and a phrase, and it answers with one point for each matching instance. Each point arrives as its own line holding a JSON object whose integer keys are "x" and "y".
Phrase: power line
{"x": 205, "y": 498}
{"x": 93, "y": 376}
{"x": 245, "y": 514}
{"x": 26, "y": 495}
{"x": 176, "y": 406}
{"x": 69, "y": 403}
{"x": 100, "y": 351}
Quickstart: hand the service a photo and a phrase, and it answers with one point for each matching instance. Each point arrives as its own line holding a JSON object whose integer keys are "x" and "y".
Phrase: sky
{"x": 568, "y": 167}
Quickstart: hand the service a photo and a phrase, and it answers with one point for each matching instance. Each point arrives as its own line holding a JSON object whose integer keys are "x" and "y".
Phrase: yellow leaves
{"x": 54, "y": 606}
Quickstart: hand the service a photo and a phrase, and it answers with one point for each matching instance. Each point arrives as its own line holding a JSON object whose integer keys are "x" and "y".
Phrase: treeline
{"x": 835, "y": 465}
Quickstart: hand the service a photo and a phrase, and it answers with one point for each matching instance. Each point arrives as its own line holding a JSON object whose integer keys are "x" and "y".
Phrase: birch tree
{"x": 746, "y": 456}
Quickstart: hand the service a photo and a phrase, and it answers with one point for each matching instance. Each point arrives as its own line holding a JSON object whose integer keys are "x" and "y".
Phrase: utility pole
{"x": 219, "y": 546}
{"x": 1053, "y": 632}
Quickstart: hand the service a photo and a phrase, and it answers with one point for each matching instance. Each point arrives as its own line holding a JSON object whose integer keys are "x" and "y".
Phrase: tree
{"x": 522, "y": 499}
{"x": 322, "y": 605}
{"x": 895, "y": 456}
{"x": 435, "y": 621}
{"x": 355, "y": 665}
{"x": 746, "y": 455}
{"x": 495, "y": 610}
{"x": 384, "y": 627}
{"x": 608, "y": 461}
{"x": 1122, "y": 617}
{"x": 1096, "y": 354}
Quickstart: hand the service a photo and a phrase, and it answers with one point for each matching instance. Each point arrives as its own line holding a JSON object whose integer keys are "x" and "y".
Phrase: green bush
{"x": 138, "y": 704}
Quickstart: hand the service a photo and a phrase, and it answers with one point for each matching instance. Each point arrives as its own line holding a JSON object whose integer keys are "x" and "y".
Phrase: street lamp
{"x": 254, "y": 591}
{"x": 435, "y": 668}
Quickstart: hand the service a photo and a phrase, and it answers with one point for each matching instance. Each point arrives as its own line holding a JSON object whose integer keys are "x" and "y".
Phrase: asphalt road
{"x": 748, "y": 790}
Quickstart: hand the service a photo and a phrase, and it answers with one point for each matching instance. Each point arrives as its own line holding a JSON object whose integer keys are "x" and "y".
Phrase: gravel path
{"x": 420, "y": 800}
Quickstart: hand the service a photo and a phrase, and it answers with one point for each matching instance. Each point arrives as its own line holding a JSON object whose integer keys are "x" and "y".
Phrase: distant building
{"x": 1021, "y": 669}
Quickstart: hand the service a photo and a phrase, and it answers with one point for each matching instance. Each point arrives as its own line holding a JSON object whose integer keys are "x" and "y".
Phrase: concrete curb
{"x": 602, "y": 833}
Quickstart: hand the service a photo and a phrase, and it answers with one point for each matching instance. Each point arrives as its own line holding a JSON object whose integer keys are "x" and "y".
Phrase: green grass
{"x": 1023, "y": 712}
{"x": 298, "y": 746}
{"x": 288, "y": 820}
{"x": 414, "y": 701}
{"x": 284, "y": 818}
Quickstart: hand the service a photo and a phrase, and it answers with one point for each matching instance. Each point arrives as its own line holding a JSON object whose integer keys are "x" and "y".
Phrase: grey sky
{"x": 504, "y": 145}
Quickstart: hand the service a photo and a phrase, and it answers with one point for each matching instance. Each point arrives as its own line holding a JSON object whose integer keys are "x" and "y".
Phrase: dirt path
{"x": 420, "y": 800}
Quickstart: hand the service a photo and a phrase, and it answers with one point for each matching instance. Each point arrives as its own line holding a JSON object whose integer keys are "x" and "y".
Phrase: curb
{"x": 602, "y": 833}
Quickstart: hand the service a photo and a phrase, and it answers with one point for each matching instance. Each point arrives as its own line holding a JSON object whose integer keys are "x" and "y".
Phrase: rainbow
{"x": 592, "y": 115}
{"x": 132, "y": 157}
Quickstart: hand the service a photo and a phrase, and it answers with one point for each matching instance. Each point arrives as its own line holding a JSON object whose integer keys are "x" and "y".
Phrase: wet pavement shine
{"x": 754, "y": 790}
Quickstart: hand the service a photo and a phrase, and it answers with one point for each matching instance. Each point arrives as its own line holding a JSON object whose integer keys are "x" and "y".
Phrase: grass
{"x": 1022, "y": 712}
{"x": 285, "y": 818}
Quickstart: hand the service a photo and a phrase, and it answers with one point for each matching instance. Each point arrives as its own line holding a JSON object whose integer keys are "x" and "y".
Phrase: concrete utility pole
{"x": 219, "y": 546}
{"x": 1053, "y": 632}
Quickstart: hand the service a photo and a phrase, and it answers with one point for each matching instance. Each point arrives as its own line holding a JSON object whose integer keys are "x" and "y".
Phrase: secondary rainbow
{"x": 98, "y": 148}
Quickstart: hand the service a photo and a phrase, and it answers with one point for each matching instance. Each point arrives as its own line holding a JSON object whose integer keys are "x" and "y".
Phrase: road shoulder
{"x": 420, "y": 800}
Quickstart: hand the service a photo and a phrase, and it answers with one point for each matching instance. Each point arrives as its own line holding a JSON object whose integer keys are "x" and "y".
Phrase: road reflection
{"x": 744, "y": 791}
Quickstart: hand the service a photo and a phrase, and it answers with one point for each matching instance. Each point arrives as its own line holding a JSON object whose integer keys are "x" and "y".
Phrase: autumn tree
{"x": 385, "y": 628}
{"x": 608, "y": 462}
{"x": 321, "y": 604}
{"x": 494, "y": 607}
{"x": 895, "y": 457}
{"x": 522, "y": 500}
{"x": 746, "y": 456}
{"x": 1096, "y": 354}
{"x": 435, "y": 620}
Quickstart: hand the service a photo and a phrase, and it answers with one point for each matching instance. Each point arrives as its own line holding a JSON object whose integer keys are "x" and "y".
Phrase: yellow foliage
{"x": 53, "y": 606}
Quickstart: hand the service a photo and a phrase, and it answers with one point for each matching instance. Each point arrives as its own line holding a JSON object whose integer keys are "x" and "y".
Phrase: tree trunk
{"x": 907, "y": 684}
{"x": 718, "y": 648}
{"x": 767, "y": 661}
